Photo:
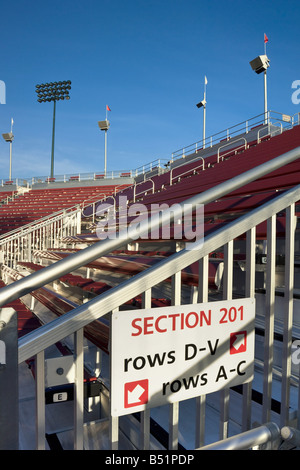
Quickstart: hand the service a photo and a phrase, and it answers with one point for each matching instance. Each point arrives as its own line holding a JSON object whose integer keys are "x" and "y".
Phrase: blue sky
{"x": 147, "y": 60}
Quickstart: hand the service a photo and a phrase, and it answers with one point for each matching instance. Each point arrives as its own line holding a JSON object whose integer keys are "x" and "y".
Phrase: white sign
{"x": 164, "y": 355}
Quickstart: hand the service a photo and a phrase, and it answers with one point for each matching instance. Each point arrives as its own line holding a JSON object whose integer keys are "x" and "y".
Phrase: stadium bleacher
{"x": 175, "y": 185}
{"x": 38, "y": 203}
{"x": 42, "y": 202}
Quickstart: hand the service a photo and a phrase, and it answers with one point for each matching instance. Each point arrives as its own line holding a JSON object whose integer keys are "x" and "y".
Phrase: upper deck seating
{"x": 39, "y": 203}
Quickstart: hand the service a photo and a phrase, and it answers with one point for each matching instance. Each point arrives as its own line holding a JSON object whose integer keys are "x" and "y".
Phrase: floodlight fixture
{"x": 53, "y": 91}
{"x": 260, "y": 65}
{"x": 202, "y": 104}
{"x": 9, "y": 137}
{"x": 104, "y": 125}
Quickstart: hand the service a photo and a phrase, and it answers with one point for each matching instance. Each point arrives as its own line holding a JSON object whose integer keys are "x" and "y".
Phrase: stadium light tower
{"x": 203, "y": 104}
{"x": 53, "y": 91}
{"x": 9, "y": 137}
{"x": 261, "y": 64}
{"x": 104, "y": 126}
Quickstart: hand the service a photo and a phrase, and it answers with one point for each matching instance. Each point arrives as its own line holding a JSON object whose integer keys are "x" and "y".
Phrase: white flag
{"x": 205, "y": 80}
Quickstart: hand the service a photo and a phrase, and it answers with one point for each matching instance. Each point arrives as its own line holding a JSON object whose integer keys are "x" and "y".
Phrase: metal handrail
{"x": 242, "y": 127}
{"x": 268, "y": 434}
{"x": 38, "y": 340}
{"x": 56, "y": 330}
{"x": 269, "y": 131}
{"x": 187, "y": 171}
{"x": 229, "y": 144}
{"x": 142, "y": 182}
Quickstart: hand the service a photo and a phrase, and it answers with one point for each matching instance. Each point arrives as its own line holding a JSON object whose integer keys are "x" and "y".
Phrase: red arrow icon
{"x": 238, "y": 342}
{"x": 136, "y": 393}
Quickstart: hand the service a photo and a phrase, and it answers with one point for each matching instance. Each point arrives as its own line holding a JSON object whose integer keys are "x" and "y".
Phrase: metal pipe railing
{"x": 36, "y": 342}
{"x": 268, "y": 434}
{"x": 229, "y": 144}
{"x": 81, "y": 316}
{"x": 230, "y": 132}
{"x": 91, "y": 253}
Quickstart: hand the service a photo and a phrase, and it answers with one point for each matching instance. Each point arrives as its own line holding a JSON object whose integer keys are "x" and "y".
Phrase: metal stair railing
{"x": 73, "y": 322}
{"x": 91, "y": 253}
{"x": 267, "y": 435}
{"x": 18, "y": 244}
{"x": 35, "y": 343}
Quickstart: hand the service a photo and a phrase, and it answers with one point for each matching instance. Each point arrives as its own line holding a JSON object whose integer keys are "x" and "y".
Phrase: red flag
{"x": 108, "y": 108}
{"x": 266, "y": 38}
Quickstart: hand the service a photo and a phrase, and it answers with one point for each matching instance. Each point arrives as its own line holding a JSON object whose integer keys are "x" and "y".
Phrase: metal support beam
{"x": 9, "y": 406}
{"x": 78, "y": 390}
{"x": 288, "y": 313}
{"x": 269, "y": 318}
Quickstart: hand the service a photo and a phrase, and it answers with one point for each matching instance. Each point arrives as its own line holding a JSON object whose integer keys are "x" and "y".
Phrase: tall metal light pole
{"x": 104, "y": 126}
{"x": 9, "y": 137}
{"x": 203, "y": 104}
{"x": 53, "y": 91}
{"x": 261, "y": 64}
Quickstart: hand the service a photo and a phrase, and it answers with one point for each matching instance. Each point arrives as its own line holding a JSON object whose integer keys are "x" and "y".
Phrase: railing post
{"x": 145, "y": 415}
{"x": 227, "y": 295}
{"x": 40, "y": 400}
{"x": 249, "y": 292}
{"x": 174, "y": 407}
{"x": 78, "y": 222}
{"x": 288, "y": 313}
{"x": 113, "y": 420}
{"x": 78, "y": 390}
{"x": 9, "y": 406}
{"x": 201, "y": 400}
{"x": 269, "y": 317}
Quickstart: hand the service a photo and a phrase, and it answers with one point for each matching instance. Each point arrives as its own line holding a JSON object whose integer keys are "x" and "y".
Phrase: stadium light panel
{"x": 8, "y": 137}
{"x": 260, "y": 64}
{"x": 53, "y": 91}
{"x": 104, "y": 125}
{"x": 202, "y": 103}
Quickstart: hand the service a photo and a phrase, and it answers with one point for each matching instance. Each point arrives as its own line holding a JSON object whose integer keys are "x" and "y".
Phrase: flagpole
{"x": 10, "y": 149}
{"x": 265, "y": 83}
{"x": 204, "y": 111}
{"x": 105, "y": 153}
{"x": 105, "y": 143}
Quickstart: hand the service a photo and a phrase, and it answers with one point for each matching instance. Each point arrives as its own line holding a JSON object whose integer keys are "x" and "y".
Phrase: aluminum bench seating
{"x": 223, "y": 210}
{"x": 130, "y": 265}
{"x": 96, "y": 332}
{"x": 228, "y": 168}
{"x": 90, "y": 285}
{"x": 43, "y": 202}
{"x": 27, "y": 322}
{"x": 5, "y": 194}
{"x": 175, "y": 174}
{"x": 195, "y": 185}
